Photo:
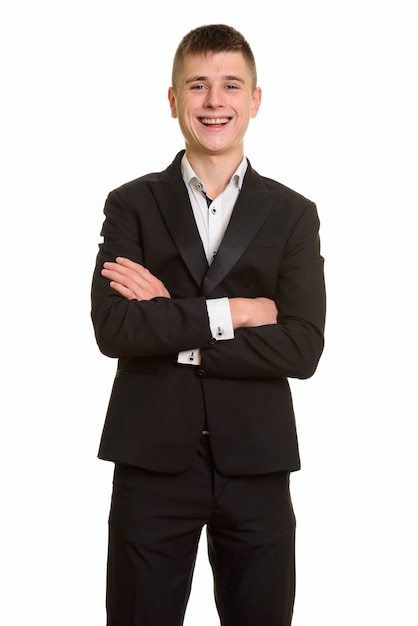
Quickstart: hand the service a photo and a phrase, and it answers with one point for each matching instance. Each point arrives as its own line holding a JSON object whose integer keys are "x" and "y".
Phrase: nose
{"x": 214, "y": 98}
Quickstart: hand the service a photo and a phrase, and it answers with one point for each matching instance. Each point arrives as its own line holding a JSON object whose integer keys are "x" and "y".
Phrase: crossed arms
{"x": 135, "y": 282}
{"x": 150, "y": 314}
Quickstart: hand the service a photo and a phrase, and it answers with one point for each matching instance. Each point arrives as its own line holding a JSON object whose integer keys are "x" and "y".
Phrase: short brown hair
{"x": 213, "y": 38}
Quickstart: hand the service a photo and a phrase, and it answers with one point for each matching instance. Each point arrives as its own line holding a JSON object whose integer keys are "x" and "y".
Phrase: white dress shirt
{"x": 212, "y": 217}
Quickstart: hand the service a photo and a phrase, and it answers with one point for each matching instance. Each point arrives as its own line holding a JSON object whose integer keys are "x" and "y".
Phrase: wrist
{"x": 239, "y": 312}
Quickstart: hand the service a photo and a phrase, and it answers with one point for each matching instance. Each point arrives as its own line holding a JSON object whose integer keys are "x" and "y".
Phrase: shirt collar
{"x": 189, "y": 175}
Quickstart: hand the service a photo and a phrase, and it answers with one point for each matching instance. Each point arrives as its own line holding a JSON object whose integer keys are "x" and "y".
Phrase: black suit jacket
{"x": 157, "y": 407}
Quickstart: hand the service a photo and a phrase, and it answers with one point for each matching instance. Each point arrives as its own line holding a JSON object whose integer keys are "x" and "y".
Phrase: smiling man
{"x": 209, "y": 290}
{"x": 214, "y": 96}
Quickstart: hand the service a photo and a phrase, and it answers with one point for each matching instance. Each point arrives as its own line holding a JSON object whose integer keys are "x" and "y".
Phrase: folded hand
{"x": 133, "y": 281}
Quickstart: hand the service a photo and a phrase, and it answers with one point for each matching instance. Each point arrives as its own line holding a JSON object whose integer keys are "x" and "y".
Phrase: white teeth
{"x": 218, "y": 120}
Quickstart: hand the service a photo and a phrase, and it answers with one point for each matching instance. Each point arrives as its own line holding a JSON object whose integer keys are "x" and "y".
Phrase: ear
{"x": 172, "y": 101}
{"x": 256, "y": 102}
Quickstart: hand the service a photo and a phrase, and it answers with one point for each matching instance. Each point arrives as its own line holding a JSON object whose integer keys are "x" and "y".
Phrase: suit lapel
{"x": 250, "y": 211}
{"x": 174, "y": 203}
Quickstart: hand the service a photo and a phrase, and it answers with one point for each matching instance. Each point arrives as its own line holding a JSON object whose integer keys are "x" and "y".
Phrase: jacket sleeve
{"x": 132, "y": 328}
{"x": 293, "y": 346}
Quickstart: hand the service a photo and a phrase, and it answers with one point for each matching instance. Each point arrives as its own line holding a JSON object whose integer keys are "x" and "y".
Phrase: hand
{"x": 133, "y": 281}
{"x": 246, "y": 312}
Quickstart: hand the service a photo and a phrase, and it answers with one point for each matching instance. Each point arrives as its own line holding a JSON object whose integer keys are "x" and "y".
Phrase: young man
{"x": 209, "y": 290}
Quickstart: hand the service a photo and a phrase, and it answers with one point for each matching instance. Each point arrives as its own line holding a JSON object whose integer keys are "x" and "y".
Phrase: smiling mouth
{"x": 215, "y": 121}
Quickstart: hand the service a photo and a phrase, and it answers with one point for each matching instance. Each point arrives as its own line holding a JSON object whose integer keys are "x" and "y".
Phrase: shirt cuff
{"x": 189, "y": 357}
{"x": 220, "y": 320}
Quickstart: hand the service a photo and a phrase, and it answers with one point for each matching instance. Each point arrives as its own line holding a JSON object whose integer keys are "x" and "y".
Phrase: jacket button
{"x": 211, "y": 341}
{"x": 201, "y": 371}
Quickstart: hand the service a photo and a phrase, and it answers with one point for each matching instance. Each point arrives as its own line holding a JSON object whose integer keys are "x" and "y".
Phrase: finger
{"x": 136, "y": 271}
{"x": 135, "y": 274}
{"x": 123, "y": 268}
{"x": 123, "y": 291}
{"x": 113, "y": 273}
{"x": 131, "y": 265}
{"x": 125, "y": 280}
{"x": 139, "y": 269}
{"x": 122, "y": 260}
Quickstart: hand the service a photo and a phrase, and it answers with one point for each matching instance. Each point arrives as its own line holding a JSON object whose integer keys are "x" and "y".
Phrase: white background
{"x": 84, "y": 110}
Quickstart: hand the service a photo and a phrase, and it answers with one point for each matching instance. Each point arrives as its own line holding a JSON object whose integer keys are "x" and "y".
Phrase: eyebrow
{"x": 195, "y": 79}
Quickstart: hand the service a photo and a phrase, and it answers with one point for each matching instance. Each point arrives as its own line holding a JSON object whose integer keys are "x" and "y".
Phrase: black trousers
{"x": 154, "y": 529}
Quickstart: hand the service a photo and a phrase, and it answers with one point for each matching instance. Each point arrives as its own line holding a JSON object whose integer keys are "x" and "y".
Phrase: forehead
{"x": 215, "y": 65}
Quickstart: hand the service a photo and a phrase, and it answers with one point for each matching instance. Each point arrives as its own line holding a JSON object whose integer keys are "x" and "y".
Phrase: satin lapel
{"x": 174, "y": 203}
{"x": 249, "y": 213}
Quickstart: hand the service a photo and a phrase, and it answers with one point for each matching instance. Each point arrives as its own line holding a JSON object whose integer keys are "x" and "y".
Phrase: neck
{"x": 214, "y": 171}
